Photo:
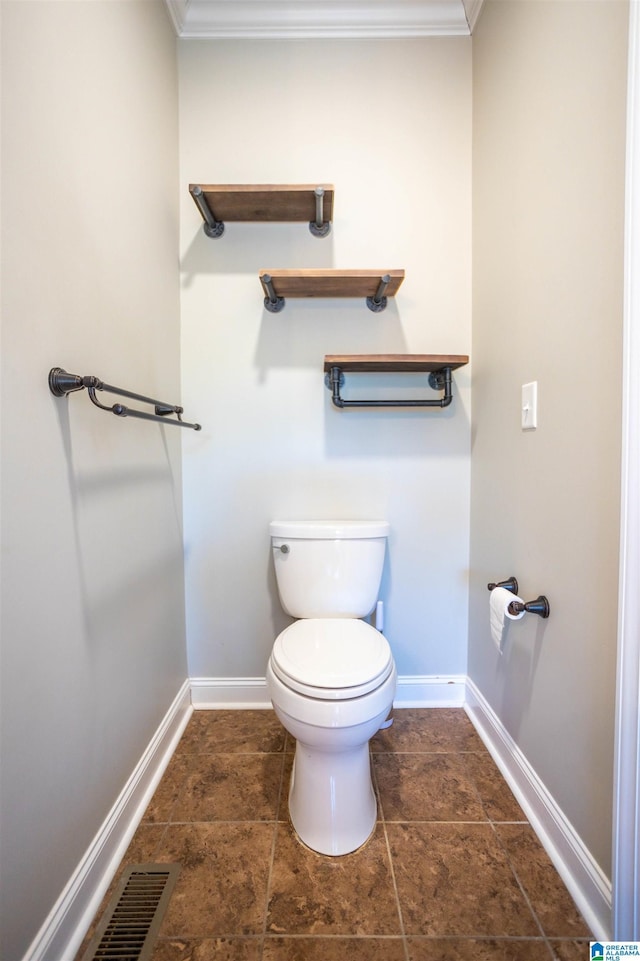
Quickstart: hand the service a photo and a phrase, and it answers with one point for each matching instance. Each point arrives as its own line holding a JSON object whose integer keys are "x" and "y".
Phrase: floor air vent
{"x": 132, "y": 918}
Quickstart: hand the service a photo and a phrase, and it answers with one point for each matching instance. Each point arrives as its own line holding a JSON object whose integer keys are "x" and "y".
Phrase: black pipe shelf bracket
{"x": 272, "y": 302}
{"x": 62, "y": 383}
{"x": 220, "y": 203}
{"x": 438, "y": 366}
{"x": 539, "y": 606}
{"x": 213, "y": 228}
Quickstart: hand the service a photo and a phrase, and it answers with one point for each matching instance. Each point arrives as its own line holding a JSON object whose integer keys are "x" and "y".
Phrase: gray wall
{"x": 389, "y": 123}
{"x": 93, "y": 648}
{"x": 549, "y": 130}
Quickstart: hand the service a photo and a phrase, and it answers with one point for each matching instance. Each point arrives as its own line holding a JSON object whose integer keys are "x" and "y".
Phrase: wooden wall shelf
{"x": 374, "y": 285}
{"x": 438, "y": 366}
{"x": 273, "y": 203}
{"x": 411, "y": 363}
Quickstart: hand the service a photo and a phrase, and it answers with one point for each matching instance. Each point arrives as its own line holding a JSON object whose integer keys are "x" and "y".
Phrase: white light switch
{"x": 530, "y": 405}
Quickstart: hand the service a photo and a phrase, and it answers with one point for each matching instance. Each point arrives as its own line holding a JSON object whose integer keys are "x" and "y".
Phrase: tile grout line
{"x": 169, "y": 822}
{"x": 451, "y": 750}
{"x": 526, "y": 897}
{"x": 272, "y": 855}
{"x": 405, "y": 946}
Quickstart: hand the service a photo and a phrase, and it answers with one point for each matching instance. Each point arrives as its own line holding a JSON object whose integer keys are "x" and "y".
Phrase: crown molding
{"x": 472, "y": 10}
{"x": 321, "y": 19}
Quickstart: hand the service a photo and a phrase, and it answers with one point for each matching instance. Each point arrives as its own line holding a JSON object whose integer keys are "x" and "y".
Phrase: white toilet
{"x": 331, "y": 677}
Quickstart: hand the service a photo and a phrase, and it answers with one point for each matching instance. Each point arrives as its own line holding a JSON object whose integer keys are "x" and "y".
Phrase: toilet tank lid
{"x": 329, "y": 529}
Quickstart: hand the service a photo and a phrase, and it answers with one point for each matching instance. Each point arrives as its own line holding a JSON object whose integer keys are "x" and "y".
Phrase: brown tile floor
{"x": 453, "y": 871}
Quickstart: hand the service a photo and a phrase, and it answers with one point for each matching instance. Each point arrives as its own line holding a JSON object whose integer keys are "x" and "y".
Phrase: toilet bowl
{"x": 331, "y": 676}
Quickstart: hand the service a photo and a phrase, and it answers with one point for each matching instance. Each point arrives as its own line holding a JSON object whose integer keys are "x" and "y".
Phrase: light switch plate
{"x": 530, "y": 406}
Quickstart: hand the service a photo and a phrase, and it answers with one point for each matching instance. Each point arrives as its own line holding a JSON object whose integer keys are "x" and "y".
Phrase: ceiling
{"x": 322, "y": 19}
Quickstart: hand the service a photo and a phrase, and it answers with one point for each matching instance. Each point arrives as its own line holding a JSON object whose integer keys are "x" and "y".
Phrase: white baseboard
{"x": 234, "y": 693}
{"x": 586, "y": 882}
{"x": 431, "y": 691}
{"x": 63, "y": 931}
{"x": 244, "y": 693}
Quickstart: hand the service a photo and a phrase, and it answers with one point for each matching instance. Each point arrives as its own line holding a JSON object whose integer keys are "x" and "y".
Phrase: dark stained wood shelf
{"x": 265, "y": 202}
{"x": 395, "y": 362}
{"x": 332, "y": 282}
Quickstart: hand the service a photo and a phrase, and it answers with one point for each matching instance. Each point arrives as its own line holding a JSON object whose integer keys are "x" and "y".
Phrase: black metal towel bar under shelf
{"x": 438, "y": 380}
{"x": 61, "y": 383}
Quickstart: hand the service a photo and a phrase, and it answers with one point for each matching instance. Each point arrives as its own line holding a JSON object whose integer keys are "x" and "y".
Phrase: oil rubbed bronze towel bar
{"x": 438, "y": 366}
{"x": 61, "y": 383}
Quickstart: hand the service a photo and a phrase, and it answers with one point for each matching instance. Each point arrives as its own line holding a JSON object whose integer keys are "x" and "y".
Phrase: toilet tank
{"x": 328, "y": 568}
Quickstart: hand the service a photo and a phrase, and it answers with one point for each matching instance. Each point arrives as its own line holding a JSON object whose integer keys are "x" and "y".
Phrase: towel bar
{"x": 438, "y": 380}
{"x": 61, "y": 383}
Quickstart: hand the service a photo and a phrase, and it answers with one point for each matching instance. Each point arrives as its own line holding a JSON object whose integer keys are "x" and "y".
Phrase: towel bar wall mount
{"x": 62, "y": 383}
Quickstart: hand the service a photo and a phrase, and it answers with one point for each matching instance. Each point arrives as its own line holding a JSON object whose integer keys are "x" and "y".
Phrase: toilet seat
{"x": 331, "y": 658}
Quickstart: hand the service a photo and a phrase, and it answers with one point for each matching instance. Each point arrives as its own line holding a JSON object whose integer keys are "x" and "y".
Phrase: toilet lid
{"x": 331, "y": 658}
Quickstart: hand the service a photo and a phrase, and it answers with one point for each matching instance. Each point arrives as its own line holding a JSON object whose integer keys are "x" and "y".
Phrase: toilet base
{"x": 331, "y": 800}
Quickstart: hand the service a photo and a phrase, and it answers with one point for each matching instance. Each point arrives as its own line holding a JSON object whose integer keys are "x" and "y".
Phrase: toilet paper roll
{"x": 499, "y": 615}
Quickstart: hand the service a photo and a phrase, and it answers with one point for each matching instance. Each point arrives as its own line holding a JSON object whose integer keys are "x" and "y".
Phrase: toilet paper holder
{"x": 539, "y": 606}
